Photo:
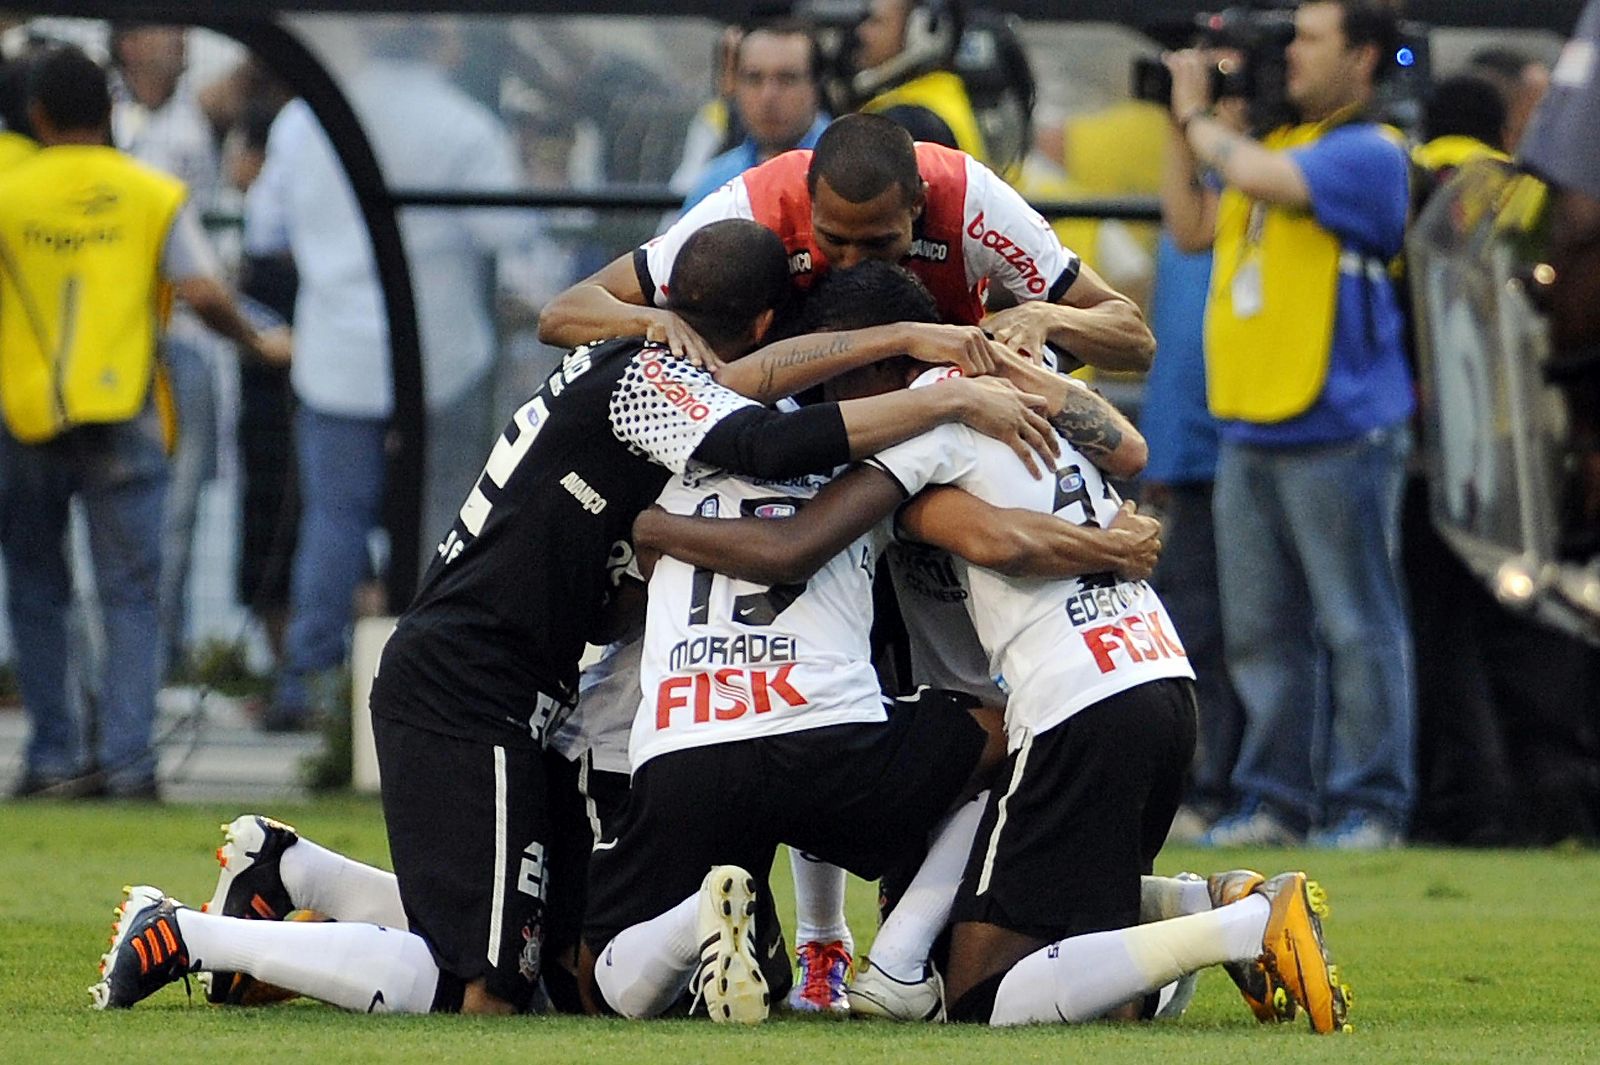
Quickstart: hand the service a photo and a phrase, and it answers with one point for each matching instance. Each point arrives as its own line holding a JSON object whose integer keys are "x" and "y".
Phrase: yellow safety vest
{"x": 1274, "y": 294}
{"x": 943, "y": 93}
{"x": 82, "y": 230}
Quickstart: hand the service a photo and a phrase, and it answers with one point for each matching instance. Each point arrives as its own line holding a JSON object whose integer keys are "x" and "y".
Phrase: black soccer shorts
{"x": 856, "y": 795}
{"x": 468, "y": 830}
{"x": 1078, "y": 814}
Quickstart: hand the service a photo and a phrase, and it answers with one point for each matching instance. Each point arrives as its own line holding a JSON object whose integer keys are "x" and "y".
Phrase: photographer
{"x": 1306, "y": 369}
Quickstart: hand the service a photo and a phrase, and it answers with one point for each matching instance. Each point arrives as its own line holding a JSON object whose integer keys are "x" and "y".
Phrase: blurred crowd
{"x": 1495, "y": 752}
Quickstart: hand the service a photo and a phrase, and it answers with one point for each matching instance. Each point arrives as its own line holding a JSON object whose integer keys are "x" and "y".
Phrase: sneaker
{"x": 1295, "y": 954}
{"x": 1358, "y": 832}
{"x": 825, "y": 969}
{"x": 1251, "y": 826}
{"x": 729, "y": 979}
{"x": 147, "y": 950}
{"x": 1267, "y": 998}
{"x": 249, "y": 886}
{"x": 874, "y": 993}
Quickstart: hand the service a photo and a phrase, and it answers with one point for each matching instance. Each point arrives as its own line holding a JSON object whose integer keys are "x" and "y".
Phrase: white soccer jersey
{"x": 945, "y": 650}
{"x": 728, "y": 660}
{"x": 1056, "y": 645}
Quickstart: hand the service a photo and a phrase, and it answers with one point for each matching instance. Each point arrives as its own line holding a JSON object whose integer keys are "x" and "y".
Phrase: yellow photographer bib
{"x": 81, "y": 235}
{"x": 1274, "y": 291}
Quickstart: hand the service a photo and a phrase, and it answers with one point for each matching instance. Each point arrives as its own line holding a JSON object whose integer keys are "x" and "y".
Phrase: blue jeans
{"x": 1308, "y": 550}
{"x": 341, "y": 498}
{"x": 119, "y": 475}
{"x": 194, "y": 462}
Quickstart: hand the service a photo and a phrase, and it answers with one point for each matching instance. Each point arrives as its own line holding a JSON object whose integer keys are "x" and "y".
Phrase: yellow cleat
{"x": 1295, "y": 955}
{"x": 1261, "y": 991}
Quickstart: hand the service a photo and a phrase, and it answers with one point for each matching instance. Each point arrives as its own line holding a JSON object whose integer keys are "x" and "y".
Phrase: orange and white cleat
{"x": 1262, "y": 992}
{"x": 1295, "y": 954}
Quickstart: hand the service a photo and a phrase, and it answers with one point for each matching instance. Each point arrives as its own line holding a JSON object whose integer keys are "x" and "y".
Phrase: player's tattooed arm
{"x": 1026, "y": 543}
{"x": 1084, "y": 418}
{"x": 1090, "y": 423}
{"x": 775, "y": 551}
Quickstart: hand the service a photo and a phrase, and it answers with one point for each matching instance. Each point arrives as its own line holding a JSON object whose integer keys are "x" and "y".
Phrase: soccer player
{"x": 1100, "y": 727}
{"x": 487, "y": 654}
{"x": 868, "y": 192}
{"x": 755, "y": 701}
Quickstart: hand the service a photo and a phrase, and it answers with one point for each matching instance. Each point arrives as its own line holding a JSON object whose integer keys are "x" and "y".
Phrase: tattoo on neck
{"x": 1087, "y": 424}
{"x": 825, "y": 348}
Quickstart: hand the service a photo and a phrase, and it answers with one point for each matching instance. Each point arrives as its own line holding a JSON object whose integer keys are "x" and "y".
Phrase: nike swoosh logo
{"x": 377, "y": 1000}
{"x": 772, "y": 948}
{"x": 607, "y": 845}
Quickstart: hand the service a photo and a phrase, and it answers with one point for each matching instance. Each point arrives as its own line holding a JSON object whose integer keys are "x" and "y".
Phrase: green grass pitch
{"x": 1455, "y": 956}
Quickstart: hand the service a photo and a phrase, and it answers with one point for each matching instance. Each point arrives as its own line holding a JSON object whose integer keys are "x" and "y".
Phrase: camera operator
{"x": 1306, "y": 369}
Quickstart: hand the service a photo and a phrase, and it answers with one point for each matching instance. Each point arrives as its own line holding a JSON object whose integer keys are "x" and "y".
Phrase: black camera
{"x": 1255, "y": 68}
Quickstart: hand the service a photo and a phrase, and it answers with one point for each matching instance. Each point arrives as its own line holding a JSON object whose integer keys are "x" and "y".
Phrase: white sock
{"x": 645, "y": 967}
{"x": 1165, "y": 897}
{"x": 1081, "y": 978}
{"x": 339, "y": 887}
{"x": 902, "y": 945}
{"x": 361, "y": 967}
{"x": 818, "y": 902}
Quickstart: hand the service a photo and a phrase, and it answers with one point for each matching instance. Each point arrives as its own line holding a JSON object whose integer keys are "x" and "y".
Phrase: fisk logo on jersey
{"x": 726, "y": 694}
{"x": 1137, "y": 638}
{"x": 1010, "y": 251}
{"x": 671, "y": 389}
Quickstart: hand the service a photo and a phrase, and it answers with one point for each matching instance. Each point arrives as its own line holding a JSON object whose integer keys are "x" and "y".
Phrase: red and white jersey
{"x": 1056, "y": 646}
{"x": 727, "y": 660}
{"x": 975, "y": 231}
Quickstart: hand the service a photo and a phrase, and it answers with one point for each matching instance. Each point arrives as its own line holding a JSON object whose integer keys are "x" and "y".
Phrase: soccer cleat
{"x": 1295, "y": 954}
{"x": 825, "y": 969}
{"x": 729, "y": 979}
{"x": 874, "y": 993}
{"x": 1265, "y": 996}
{"x": 249, "y": 886}
{"x": 147, "y": 950}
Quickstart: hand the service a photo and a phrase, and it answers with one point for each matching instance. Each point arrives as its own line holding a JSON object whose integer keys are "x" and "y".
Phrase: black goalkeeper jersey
{"x": 489, "y": 647}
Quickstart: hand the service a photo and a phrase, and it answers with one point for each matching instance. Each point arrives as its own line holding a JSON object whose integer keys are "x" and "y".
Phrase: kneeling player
{"x": 1100, "y": 728}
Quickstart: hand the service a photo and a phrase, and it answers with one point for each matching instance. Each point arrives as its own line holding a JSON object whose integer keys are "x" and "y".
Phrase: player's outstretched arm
{"x": 775, "y": 551}
{"x": 791, "y": 366}
{"x": 1099, "y": 325}
{"x": 759, "y": 442}
{"x": 609, "y": 303}
{"x": 1025, "y": 543}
